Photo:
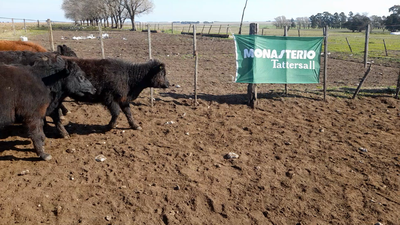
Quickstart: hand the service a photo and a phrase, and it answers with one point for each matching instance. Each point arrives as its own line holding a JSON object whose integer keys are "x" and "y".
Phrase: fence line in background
{"x": 219, "y": 28}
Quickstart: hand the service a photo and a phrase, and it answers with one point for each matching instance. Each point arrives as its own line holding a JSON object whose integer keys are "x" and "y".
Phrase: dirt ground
{"x": 301, "y": 160}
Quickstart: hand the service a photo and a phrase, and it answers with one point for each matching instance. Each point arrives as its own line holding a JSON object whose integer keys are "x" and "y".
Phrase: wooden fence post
{"x": 51, "y": 35}
{"x": 101, "y": 41}
{"x": 351, "y": 50}
{"x": 150, "y": 57}
{"x": 362, "y": 81}
{"x": 398, "y": 86}
{"x": 384, "y": 44}
{"x": 252, "y": 88}
{"x": 366, "y": 46}
{"x": 196, "y": 63}
{"x": 13, "y": 25}
{"x": 325, "y": 59}
{"x": 285, "y": 35}
{"x": 25, "y": 25}
{"x": 172, "y": 27}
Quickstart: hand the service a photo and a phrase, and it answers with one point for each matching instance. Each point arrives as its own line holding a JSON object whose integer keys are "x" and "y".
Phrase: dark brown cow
{"x": 6, "y": 45}
{"x": 118, "y": 83}
{"x": 24, "y": 96}
{"x": 49, "y": 67}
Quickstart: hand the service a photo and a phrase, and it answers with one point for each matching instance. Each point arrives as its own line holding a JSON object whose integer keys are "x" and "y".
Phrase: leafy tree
{"x": 357, "y": 22}
{"x": 392, "y": 22}
{"x": 336, "y": 20}
{"x": 327, "y": 19}
{"x": 343, "y": 19}
{"x": 377, "y": 22}
{"x": 316, "y": 20}
{"x": 292, "y": 23}
{"x": 323, "y": 19}
{"x": 395, "y": 9}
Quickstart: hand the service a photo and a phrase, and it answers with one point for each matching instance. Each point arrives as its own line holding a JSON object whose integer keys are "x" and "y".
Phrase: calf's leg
{"x": 58, "y": 122}
{"x": 114, "y": 109}
{"x": 63, "y": 111}
{"x": 35, "y": 129}
{"x": 127, "y": 111}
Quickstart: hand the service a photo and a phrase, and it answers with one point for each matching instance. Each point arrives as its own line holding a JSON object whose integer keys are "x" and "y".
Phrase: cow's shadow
{"x": 76, "y": 128}
{"x": 236, "y": 99}
{"x": 11, "y": 131}
{"x": 12, "y": 145}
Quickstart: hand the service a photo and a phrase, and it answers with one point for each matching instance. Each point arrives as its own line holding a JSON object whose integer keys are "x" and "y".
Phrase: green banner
{"x": 273, "y": 59}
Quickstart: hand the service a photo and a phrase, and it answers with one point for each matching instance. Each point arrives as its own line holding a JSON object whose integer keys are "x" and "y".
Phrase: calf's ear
{"x": 59, "y": 49}
{"x": 69, "y": 65}
{"x": 159, "y": 67}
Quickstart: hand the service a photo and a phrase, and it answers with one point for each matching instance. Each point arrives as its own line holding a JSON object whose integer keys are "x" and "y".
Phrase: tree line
{"x": 352, "y": 22}
{"x": 112, "y": 13}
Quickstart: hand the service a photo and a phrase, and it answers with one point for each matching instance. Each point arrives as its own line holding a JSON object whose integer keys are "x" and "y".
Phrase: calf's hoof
{"x": 137, "y": 128}
{"x": 110, "y": 127}
{"x": 64, "y": 135}
{"x": 45, "y": 156}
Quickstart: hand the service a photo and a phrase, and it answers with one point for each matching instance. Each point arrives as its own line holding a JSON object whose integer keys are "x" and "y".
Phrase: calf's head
{"x": 66, "y": 51}
{"x": 157, "y": 75}
{"x": 76, "y": 82}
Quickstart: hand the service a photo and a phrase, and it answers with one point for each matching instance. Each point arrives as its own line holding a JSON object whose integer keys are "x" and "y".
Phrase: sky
{"x": 207, "y": 10}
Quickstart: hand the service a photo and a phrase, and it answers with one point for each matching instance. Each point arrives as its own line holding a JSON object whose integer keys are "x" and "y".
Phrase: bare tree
{"x": 73, "y": 10}
{"x": 241, "y": 21}
{"x": 137, "y": 7}
{"x": 93, "y": 11}
{"x": 281, "y": 21}
{"x": 303, "y": 22}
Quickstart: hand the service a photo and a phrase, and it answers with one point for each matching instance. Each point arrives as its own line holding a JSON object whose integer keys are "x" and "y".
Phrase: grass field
{"x": 344, "y": 43}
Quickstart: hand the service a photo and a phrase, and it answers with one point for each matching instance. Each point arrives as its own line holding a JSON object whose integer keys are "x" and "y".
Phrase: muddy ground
{"x": 301, "y": 160}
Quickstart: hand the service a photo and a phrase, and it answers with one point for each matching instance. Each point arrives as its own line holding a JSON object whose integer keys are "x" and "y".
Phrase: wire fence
{"x": 349, "y": 44}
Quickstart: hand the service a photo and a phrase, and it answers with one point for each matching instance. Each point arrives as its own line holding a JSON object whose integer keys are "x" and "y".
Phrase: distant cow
{"x": 49, "y": 67}
{"x": 24, "y": 96}
{"x": 118, "y": 83}
{"x": 6, "y": 45}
